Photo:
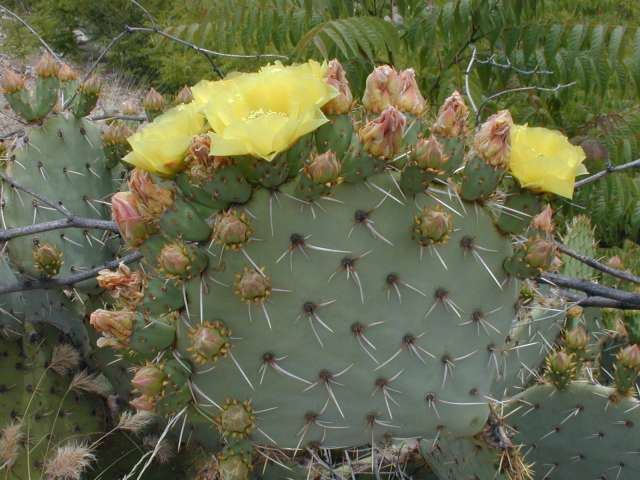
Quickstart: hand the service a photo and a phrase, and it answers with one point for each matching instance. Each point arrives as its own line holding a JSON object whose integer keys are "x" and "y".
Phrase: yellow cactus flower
{"x": 161, "y": 145}
{"x": 544, "y": 160}
{"x": 264, "y": 113}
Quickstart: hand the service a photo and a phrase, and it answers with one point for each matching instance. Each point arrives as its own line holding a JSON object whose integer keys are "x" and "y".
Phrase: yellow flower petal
{"x": 544, "y": 160}
{"x": 160, "y": 146}
{"x": 264, "y": 113}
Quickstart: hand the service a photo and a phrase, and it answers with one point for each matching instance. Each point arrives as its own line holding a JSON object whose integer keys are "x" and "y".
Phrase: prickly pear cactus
{"x": 357, "y": 288}
{"x": 41, "y": 407}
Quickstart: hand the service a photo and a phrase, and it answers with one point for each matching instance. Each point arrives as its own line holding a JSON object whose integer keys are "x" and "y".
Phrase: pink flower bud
{"x": 540, "y": 253}
{"x": 429, "y": 155}
{"x": 493, "y": 142}
{"x": 323, "y": 168}
{"x": 47, "y": 66}
{"x": 153, "y": 101}
{"x": 432, "y": 226}
{"x": 232, "y": 229}
{"x": 184, "y": 95}
{"x": 382, "y": 137}
{"x": 251, "y": 286}
{"x": 382, "y": 89}
{"x": 410, "y": 100}
{"x": 149, "y": 380}
{"x": 629, "y": 357}
{"x": 337, "y": 78}
{"x": 126, "y": 213}
{"x": 544, "y": 220}
{"x": 452, "y": 117}
{"x": 174, "y": 259}
{"x": 209, "y": 341}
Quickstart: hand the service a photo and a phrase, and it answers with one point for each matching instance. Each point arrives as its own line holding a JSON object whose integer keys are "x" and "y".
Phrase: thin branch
{"x": 68, "y": 222}
{"x": 530, "y": 88}
{"x": 614, "y": 272}
{"x": 32, "y": 30}
{"x": 592, "y": 289}
{"x": 467, "y": 73}
{"x": 146, "y": 12}
{"x": 610, "y": 169}
{"x": 599, "y": 302}
{"x": 117, "y": 116}
{"x": 36, "y": 195}
{"x": 510, "y": 66}
{"x": 52, "y": 283}
{"x": 86, "y": 76}
{"x": 18, "y": 132}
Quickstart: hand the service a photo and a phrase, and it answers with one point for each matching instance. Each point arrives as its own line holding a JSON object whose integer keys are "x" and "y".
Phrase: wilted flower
{"x": 11, "y": 81}
{"x": 452, "y": 117}
{"x": 115, "y": 324}
{"x": 382, "y": 137}
{"x": 47, "y": 66}
{"x": 66, "y": 73}
{"x": 160, "y": 146}
{"x": 264, "y": 113}
{"x": 544, "y": 160}
{"x": 152, "y": 199}
{"x": 382, "y": 89}
{"x": 493, "y": 139}
{"x": 337, "y": 78}
{"x": 410, "y": 100}
{"x": 122, "y": 283}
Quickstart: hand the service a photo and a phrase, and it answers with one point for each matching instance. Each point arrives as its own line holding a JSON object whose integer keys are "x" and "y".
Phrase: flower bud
{"x": 234, "y": 467}
{"x": 116, "y": 133}
{"x": 429, "y": 155}
{"x": 232, "y": 229}
{"x": 452, "y": 117}
{"x": 209, "y": 341}
{"x": 543, "y": 221}
{"x": 143, "y": 402}
{"x": 174, "y": 259}
{"x": 432, "y": 226}
{"x": 47, "y": 259}
{"x": 493, "y": 139}
{"x": 576, "y": 340}
{"x": 47, "y": 66}
{"x": 126, "y": 213}
{"x": 629, "y": 357}
{"x": 130, "y": 107}
{"x": 382, "y": 137}
{"x": 337, "y": 78}
{"x": 122, "y": 284}
{"x": 323, "y": 168}
{"x": 153, "y": 200}
{"x": 184, "y": 95}
{"x": 540, "y": 253}
{"x": 252, "y": 286}
{"x": 149, "y": 380}
{"x": 116, "y": 324}
{"x": 382, "y": 89}
{"x": 11, "y": 81}
{"x": 561, "y": 368}
{"x": 153, "y": 101}
{"x": 410, "y": 100}
{"x": 67, "y": 74}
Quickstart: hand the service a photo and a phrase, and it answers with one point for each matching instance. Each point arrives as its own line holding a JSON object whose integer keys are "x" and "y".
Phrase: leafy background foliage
{"x": 594, "y": 43}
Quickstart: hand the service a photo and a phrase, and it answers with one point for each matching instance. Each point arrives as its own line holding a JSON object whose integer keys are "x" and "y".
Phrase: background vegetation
{"x": 594, "y": 43}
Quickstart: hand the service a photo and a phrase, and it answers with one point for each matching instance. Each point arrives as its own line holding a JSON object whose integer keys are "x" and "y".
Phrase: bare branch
{"x": 610, "y": 169}
{"x": 117, "y": 116}
{"x": 614, "y": 272}
{"x": 599, "y": 302}
{"x": 32, "y": 30}
{"x": 52, "y": 283}
{"x": 154, "y": 22}
{"x": 467, "y": 72}
{"x": 59, "y": 207}
{"x": 67, "y": 222}
{"x": 592, "y": 289}
{"x": 530, "y": 88}
{"x": 509, "y": 66}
